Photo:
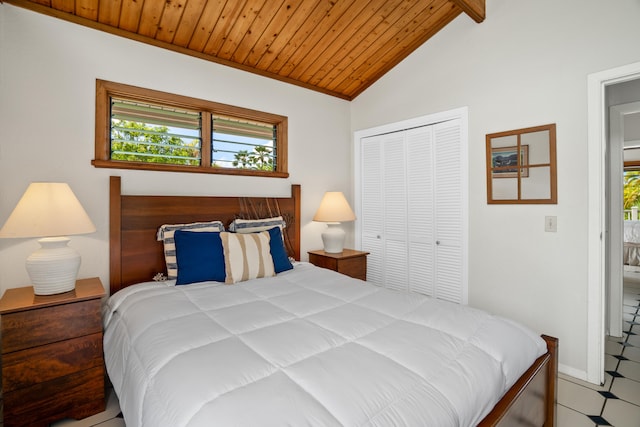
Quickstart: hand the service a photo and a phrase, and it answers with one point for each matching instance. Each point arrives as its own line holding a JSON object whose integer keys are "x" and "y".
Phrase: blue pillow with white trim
{"x": 200, "y": 257}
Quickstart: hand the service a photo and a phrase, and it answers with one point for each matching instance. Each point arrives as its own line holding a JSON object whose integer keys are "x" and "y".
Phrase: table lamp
{"x": 333, "y": 210}
{"x": 51, "y": 211}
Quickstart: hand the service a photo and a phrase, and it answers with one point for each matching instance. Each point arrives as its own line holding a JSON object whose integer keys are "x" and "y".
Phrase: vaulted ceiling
{"x": 338, "y": 47}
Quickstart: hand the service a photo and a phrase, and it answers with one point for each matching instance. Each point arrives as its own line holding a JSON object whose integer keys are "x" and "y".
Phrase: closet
{"x": 411, "y": 204}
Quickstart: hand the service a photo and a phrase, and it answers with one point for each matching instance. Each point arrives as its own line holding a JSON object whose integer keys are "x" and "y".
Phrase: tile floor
{"x": 616, "y": 403}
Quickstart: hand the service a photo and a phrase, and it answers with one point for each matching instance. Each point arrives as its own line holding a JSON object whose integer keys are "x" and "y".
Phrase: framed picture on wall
{"x": 505, "y": 161}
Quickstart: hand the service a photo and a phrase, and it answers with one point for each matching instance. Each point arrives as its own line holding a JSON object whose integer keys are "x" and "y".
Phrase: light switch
{"x": 551, "y": 223}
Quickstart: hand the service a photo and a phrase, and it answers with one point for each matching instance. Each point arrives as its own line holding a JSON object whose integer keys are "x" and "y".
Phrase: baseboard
{"x": 572, "y": 372}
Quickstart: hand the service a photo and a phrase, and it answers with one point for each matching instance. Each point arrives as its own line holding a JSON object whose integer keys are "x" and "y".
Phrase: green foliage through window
{"x": 260, "y": 159}
{"x": 243, "y": 144}
{"x": 159, "y": 134}
{"x": 145, "y": 129}
{"x": 631, "y": 194}
{"x": 139, "y": 142}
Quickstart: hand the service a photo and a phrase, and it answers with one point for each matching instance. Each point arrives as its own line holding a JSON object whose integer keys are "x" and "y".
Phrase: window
{"x": 145, "y": 129}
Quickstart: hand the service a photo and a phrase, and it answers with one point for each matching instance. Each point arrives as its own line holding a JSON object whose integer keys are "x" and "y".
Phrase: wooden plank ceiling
{"x": 338, "y": 47}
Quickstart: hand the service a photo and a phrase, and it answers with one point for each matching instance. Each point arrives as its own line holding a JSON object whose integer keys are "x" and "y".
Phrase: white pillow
{"x": 166, "y": 232}
{"x": 246, "y": 256}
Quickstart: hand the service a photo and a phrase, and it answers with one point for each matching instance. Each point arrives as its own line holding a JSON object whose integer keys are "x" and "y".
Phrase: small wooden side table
{"x": 52, "y": 360}
{"x": 350, "y": 262}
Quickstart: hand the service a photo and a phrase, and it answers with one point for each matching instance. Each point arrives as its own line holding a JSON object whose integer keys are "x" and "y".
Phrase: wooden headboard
{"x": 135, "y": 254}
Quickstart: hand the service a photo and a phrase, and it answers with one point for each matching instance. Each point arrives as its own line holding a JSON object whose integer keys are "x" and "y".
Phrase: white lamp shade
{"x": 51, "y": 211}
{"x": 334, "y": 208}
{"x": 47, "y": 209}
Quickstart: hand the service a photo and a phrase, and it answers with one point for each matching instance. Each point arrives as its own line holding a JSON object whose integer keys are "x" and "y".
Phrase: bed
{"x": 307, "y": 346}
{"x": 631, "y": 245}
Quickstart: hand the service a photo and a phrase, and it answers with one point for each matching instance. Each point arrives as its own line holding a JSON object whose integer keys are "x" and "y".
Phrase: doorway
{"x": 598, "y": 252}
{"x": 624, "y": 135}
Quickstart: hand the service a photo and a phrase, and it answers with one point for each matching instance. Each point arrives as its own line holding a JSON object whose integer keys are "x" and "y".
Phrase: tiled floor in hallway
{"x": 617, "y": 402}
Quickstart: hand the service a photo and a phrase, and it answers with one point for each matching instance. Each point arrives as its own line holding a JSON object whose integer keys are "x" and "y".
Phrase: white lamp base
{"x": 333, "y": 238}
{"x": 54, "y": 267}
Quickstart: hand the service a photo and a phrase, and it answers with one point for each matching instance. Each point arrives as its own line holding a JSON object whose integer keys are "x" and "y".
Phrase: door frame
{"x": 614, "y": 292}
{"x": 596, "y": 184}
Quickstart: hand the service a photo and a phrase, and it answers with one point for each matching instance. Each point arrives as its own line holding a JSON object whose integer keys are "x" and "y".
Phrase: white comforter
{"x": 631, "y": 239}
{"x": 309, "y": 347}
{"x": 631, "y": 231}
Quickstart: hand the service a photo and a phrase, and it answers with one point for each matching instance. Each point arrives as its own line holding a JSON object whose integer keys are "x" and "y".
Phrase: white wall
{"x": 526, "y": 65}
{"x": 48, "y": 69}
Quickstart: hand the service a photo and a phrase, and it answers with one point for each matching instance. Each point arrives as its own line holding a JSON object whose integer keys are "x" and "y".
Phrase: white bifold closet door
{"x": 412, "y": 210}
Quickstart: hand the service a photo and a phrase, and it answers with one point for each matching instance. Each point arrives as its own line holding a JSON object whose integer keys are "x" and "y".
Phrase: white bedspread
{"x": 309, "y": 347}
{"x": 631, "y": 231}
{"x": 631, "y": 239}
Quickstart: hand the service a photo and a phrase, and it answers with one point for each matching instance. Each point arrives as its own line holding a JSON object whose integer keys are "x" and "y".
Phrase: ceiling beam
{"x": 474, "y": 8}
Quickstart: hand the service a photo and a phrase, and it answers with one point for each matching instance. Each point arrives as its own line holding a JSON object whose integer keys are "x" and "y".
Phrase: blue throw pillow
{"x": 278, "y": 252}
{"x": 200, "y": 257}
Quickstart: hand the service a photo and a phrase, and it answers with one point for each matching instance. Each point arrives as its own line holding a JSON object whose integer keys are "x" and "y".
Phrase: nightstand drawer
{"x": 354, "y": 267}
{"x": 70, "y": 396}
{"x": 350, "y": 262}
{"x": 50, "y": 324}
{"x": 39, "y": 364}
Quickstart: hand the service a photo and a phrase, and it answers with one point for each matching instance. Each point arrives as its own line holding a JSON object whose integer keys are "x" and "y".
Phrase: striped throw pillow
{"x": 254, "y": 225}
{"x": 246, "y": 256}
{"x": 166, "y": 236}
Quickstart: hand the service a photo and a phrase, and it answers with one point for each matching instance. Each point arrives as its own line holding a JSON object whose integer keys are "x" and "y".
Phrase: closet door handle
{"x": 437, "y": 242}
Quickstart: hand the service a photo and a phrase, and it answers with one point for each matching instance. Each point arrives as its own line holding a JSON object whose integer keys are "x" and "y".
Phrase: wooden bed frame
{"x": 136, "y": 256}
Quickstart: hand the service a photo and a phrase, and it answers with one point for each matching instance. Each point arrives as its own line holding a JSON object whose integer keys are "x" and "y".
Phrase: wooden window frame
{"x": 105, "y": 90}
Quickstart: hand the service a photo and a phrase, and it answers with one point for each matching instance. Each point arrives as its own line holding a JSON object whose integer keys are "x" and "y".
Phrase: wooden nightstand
{"x": 52, "y": 360}
{"x": 350, "y": 262}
